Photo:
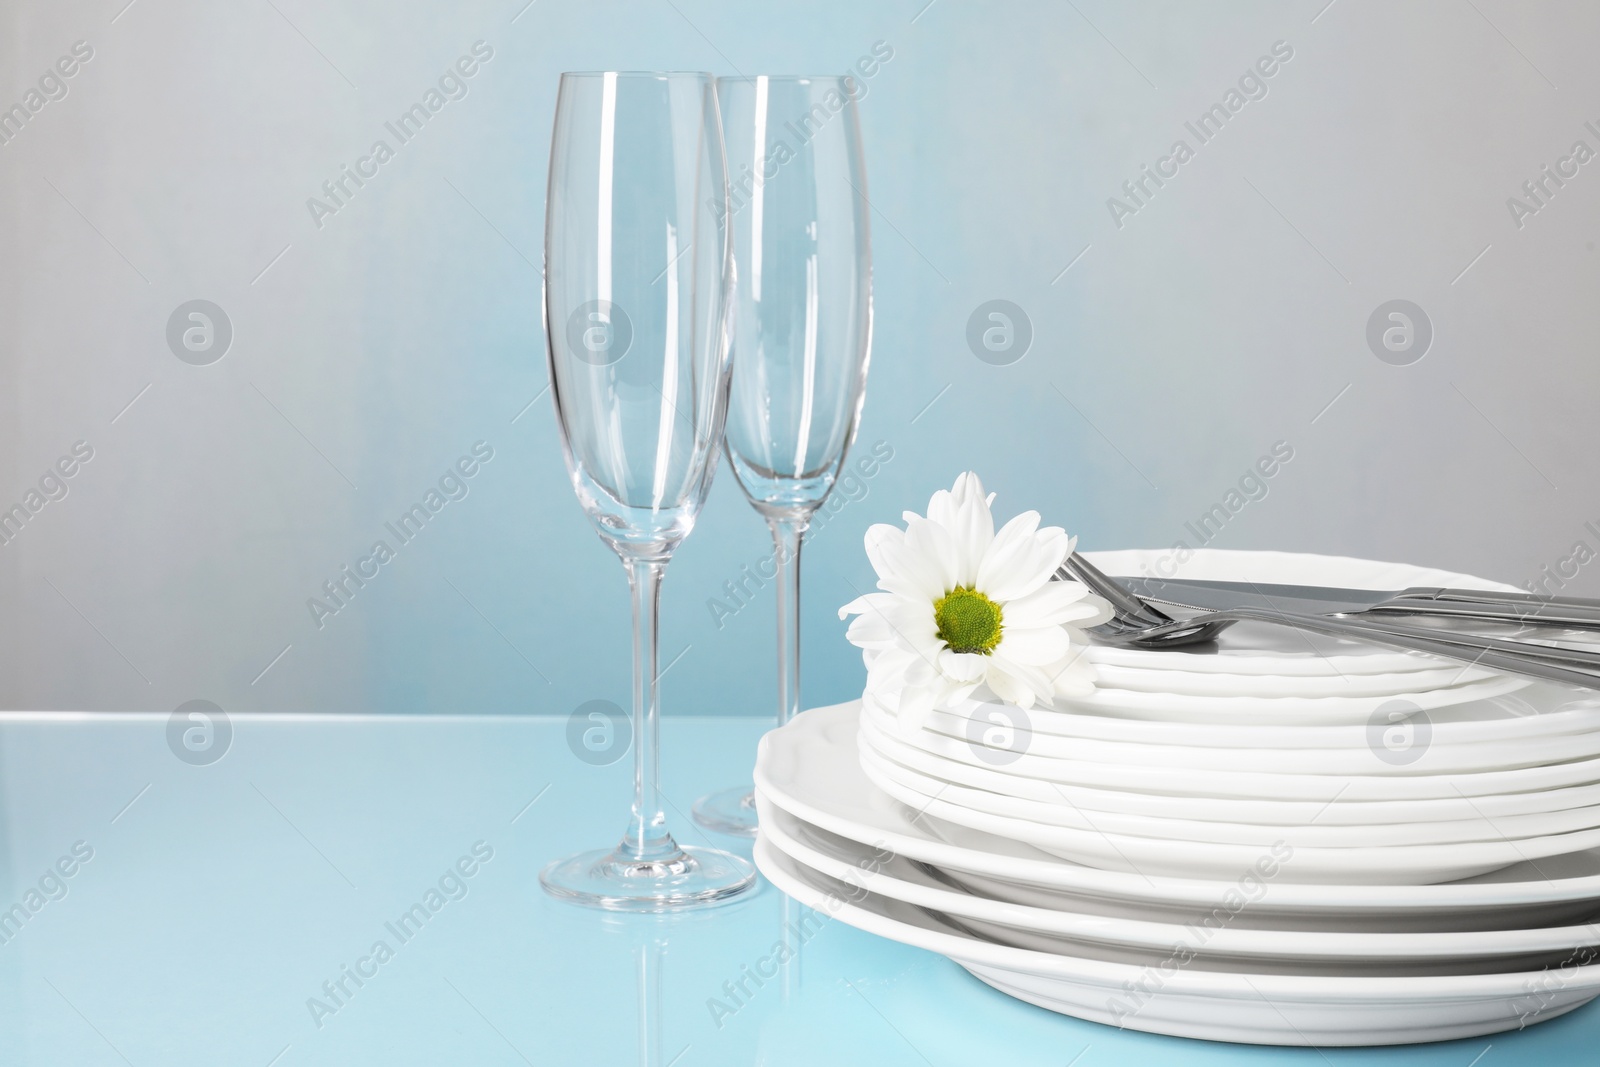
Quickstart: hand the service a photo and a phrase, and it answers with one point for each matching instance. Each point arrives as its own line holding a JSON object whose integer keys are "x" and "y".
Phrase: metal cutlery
{"x": 1222, "y": 601}
{"x": 1450, "y": 604}
{"x": 1139, "y": 623}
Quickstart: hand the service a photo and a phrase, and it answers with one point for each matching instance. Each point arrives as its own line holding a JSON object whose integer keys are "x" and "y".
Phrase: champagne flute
{"x": 802, "y": 329}
{"x": 638, "y": 276}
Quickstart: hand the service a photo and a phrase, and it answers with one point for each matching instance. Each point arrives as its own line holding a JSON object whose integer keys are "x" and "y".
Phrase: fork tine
{"x": 1122, "y": 601}
{"x": 1133, "y": 616}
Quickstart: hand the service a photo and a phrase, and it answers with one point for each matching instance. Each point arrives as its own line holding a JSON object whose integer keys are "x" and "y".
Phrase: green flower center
{"x": 968, "y": 621}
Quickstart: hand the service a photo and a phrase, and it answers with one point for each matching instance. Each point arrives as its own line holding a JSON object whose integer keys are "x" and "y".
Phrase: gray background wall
{"x": 1228, "y": 313}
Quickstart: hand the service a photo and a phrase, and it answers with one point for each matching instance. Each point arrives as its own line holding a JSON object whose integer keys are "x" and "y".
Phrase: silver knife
{"x": 1195, "y": 596}
{"x": 1483, "y": 605}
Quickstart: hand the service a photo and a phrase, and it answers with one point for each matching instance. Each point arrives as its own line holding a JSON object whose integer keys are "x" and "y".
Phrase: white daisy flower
{"x": 967, "y": 614}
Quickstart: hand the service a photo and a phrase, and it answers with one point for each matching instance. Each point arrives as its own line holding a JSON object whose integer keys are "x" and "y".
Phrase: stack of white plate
{"x": 1332, "y": 845}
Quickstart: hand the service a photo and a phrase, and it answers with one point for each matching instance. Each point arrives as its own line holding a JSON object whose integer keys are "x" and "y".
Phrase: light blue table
{"x": 220, "y": 898}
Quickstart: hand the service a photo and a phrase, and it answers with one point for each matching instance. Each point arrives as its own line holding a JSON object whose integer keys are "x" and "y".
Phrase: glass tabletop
{"x": 343, "y": 891}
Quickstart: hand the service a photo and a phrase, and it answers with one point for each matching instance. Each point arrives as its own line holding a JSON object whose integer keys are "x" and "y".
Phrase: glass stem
{"x": 647, "y": 838}
{"x": 786, "y": 537}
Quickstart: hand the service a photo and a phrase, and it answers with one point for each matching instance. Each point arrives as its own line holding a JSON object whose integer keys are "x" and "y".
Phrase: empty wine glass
{"x": 638, "y": 273}
{"x": 802, "y": 329}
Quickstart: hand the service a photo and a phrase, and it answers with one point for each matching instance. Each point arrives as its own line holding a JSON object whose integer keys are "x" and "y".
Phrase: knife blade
{"x": 1221, "y": 595}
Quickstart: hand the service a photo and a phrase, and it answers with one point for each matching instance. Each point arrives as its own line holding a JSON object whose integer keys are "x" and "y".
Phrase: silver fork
{"x": 1134, "y": 614}
{"x": 1139, "y": 624}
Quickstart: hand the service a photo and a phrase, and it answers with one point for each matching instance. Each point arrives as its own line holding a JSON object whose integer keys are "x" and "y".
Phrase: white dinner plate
{"x": 811, "y": 769}
{"x": 1541, "y": 710}
{"x": 1340, "y": 812}
{"x": 1220, "y": 943}
{"x": 1031, "y": 814}
{"x": 1182, "y": 999}
{"x": 1179, "y": 781}
{"x": 1258, "y": 649}
{"x": 1203, "y": 683}
{"x": 1421, "y": 756}
{"x": 1378, "y": 865}
{"x": 1294, "y": 710}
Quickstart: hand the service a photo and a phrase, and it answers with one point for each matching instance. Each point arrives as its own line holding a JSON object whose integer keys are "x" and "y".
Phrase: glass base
{"x": 617, "y": 879}
{"x": 728, "y": 811}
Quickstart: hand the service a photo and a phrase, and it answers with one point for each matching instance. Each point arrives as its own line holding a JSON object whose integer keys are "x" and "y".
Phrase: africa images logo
{"x": 53, "y": 85}
{"x": 338, "y": 191}
{"x": 1252, "y": 85}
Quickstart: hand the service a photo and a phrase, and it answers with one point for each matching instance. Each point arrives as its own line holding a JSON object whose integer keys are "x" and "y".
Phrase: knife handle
{"x": 1575, "y": 604}
{"x": 1580, "y": 658}
{"x": 1566, "y": 619}
{"x": 1527, "y": 660}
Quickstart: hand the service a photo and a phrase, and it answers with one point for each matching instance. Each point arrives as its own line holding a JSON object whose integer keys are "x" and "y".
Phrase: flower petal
{"x": 1002, "y": 558}
{"x": 870, "y": 630}
{"x": 1038, "y": 646}
{"x": 972, "y": 526}
{"x": 962, "y": 666}
{"x": 870, "y": 603}
{"x": 1075, "y": 678}
{"x": 1055, "y": 603}
{"x": 1009, "y": 688}
{"x": 904, "y": 569}
{"x": 1088, "y": 613}
{"x": 1037, "y": 683}
{"x": 899, "y": 571}
{"x": 1022, "y": 558}
{"x": 937, "y": 550}
{"x": 886, "y": 673}
{"x": 880, "y": 540}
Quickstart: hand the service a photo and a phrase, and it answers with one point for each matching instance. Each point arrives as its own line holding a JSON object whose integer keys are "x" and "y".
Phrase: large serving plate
{"x": 1031, "y": 815}
{"x": 1255, "y": 649}
{"x": 1220, "y": 944}
{"x": 1184, "y": 999}
{"x": 1196, "y": 781}
{"x": 1339, "y": 812}
{"x": 811, "y": 769}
